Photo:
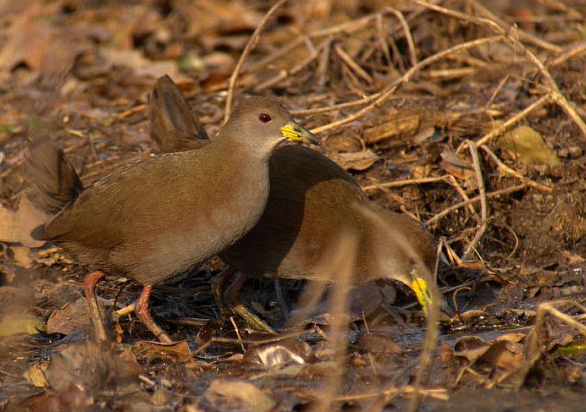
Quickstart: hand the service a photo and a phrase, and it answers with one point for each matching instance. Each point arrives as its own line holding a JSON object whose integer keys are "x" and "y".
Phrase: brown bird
{"x": 312, "y": 201}
{"x": 159, "y": 216}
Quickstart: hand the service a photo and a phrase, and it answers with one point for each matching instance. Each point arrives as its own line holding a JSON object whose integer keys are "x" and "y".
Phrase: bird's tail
{"x": 174, "y": 127}
{"x": 54, "y": 180}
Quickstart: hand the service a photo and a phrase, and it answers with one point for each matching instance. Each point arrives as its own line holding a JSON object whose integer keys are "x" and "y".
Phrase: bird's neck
{"x": 246, "y": 195}
{"x": 234, "y": 141}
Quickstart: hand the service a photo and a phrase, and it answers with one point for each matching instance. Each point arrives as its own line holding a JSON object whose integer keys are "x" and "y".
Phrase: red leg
{"x": 144, "y": 314}
{"x": 89, "y": 288}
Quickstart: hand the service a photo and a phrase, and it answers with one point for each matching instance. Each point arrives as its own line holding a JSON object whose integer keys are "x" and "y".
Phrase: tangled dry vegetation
{"x": 466, "y": 114}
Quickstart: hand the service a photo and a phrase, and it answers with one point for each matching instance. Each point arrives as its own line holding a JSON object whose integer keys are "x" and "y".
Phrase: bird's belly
{"x": 195, "y": 238}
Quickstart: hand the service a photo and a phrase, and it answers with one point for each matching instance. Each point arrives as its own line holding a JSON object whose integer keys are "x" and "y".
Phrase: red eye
{"x": 265, "y": 118}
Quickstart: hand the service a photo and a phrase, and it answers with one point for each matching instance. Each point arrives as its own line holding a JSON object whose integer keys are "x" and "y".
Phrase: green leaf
{"x": 527, "y": 146}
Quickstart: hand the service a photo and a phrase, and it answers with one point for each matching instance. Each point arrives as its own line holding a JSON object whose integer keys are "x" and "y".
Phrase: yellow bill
{"x": 293, "y": 131}
{"x": 422, "y": 293}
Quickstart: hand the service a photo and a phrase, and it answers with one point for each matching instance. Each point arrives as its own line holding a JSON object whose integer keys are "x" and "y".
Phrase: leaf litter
{"x": 398, "y": 92}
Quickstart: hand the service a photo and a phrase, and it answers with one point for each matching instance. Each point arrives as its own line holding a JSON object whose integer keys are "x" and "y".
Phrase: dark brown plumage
{"x": 157, "y": 217}
{"x": 312, "y": 201}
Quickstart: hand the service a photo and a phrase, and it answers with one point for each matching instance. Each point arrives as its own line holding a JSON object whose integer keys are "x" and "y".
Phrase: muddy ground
{"x": 404, "y": 94}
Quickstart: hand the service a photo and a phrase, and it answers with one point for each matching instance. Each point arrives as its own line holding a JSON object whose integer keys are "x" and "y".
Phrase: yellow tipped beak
{"x": 423, "y": 294}
{"x": 293, "y": 131}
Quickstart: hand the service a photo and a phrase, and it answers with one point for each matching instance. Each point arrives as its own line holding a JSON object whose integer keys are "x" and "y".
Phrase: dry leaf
{"x": 15, "y": 227}
{"x": 503, "y": 354}
{"x": 470, "y": 347}
{"x": 179, "y": 350}
{"x": 72, "y": 317}
{"x": 395, "y": 127}
{"x": 424, "y": 134}
{"x": 220, "y": 16}
{"x": 515, "y": 337}
{"x": 33, "y": 39}
{"x": 237, "y": 395}
{"x": 455, "y": 165}
{"x": 90, "y": 367}
{"x": 51, "y": 256}
{"x": 356, "y": 161}
{"x": 141, "y": 66}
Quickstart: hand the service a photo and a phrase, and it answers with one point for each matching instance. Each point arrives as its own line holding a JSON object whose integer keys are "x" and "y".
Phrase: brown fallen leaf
{"x": 237, "y": 395}
{"x": 72, "y": 317}
{"x": 342, "y": 143}
{"x": 424, "y": 134}
{"x": 214, "y": 18}
{"x": 455, "y": 165}
{"x": 573, "y": 258}
{"x": 503, "y": 354}
{"x": 43, "y": 45}
{"x": 142, "y": 66}
{"x": 72, "y": 399}
{"x": 178, "y": 351}
{"x": 91, "y": 368}
{"x": 515, "y": 337}
{"x": 378, "y": 345}
{"x": 356, "y": 161}
{"x": 470, "y": 348}
{"x": 15, "y": 226}
{"x": 392, "y": 128}
{"x": 212, "y": 329}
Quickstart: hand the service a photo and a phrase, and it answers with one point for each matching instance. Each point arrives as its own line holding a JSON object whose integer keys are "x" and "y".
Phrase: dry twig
{"x": 283, "y": 74}
{"x": 352, "y": 64}
{"x": 510, "y": 122}
{"x": 384, "y": 94}
{"x": 496, "y": 193}
{"x": 483, "y": 205}
{"x": 399, "y": 183}
{"x": 503, "y": 167}
{"x": 408, "y": 36}
{"x": 249, "y": 46}
{"x": 510, "y": 35}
